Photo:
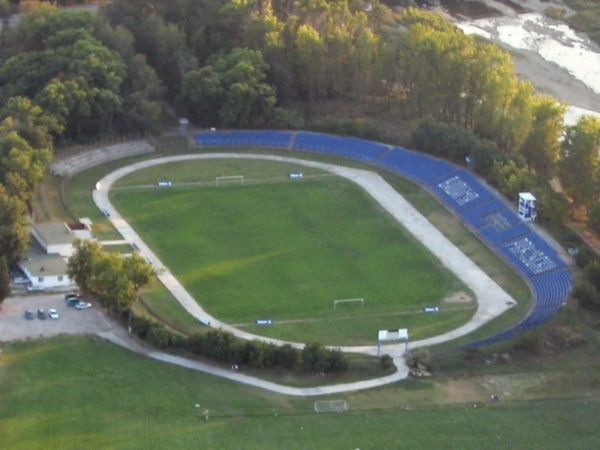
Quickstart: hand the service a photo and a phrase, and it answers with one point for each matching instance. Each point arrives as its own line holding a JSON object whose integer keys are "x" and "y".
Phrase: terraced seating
{"x": 495, "y": 236}
{"x": 536, "y": 317}
{"x": 414, "y": 166}
{"x": 71, "y": 165}
{"x": 552, "y": 288}
{"x": 277, "y": 139}
{"x": 461, "y": 190}
{"x": 531, "y": 255}
{"x": 347, "y": 147}
{"x": 477, "y": 216}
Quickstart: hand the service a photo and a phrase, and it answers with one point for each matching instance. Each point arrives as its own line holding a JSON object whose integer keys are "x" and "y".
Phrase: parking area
{"x": 14, "y": 325}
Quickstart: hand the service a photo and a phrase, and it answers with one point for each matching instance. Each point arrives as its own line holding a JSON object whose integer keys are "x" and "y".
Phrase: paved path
{"x": 492, "y": 300}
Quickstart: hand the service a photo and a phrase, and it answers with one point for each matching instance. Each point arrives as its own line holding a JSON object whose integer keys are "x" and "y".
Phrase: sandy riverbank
{"x": 548, "y": 76}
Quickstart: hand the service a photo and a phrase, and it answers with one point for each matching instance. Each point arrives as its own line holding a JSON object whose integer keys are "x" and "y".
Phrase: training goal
{"x": 322, "y": 406}
{"x": 233, "y": 179}
{"x": 353, "y": 301}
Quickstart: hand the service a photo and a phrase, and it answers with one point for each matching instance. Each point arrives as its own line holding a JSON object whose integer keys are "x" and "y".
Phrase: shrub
{"x": 472, "y": 355}
{"x": 587, "y": 296}
{"x": 529, "y": 343}
{"x": 286, "y": 356}
{"x": 387, "y": 364}
{"x": 418, "y": 359}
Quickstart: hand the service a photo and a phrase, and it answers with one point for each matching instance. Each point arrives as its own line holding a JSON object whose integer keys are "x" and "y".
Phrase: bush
{"x": 587, "y": 296}
{"x": 529, "y": 343}
{"x": 565, "y": 337}
{"x": 387, "y": 364}
{"x": 286, "y": 356}
{"x": 418, "y": 359}
{"x": 472, "y": 354}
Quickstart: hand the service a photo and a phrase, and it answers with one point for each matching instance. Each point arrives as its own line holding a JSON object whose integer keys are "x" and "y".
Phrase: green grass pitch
{"x": 75, "y": 393}
{"x": 286, "y": 250}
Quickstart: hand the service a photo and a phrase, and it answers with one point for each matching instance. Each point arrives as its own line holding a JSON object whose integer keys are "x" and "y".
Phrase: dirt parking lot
{"x": 14, "y": 326}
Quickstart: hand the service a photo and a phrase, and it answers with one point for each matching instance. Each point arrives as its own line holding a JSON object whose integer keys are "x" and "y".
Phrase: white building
{"x": 45, "y": 264}
{"x": 46, "y": 271}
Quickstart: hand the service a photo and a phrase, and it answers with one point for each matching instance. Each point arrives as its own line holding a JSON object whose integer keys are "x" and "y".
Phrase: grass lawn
{"x": 94, "y": 395}
{"x": 249, "y": 252}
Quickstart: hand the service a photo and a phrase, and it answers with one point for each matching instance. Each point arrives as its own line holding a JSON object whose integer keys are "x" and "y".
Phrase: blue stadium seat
{"x": 414, "y": 166}
{"x": 346, "y": 147}
{"x": 278, "y": 139}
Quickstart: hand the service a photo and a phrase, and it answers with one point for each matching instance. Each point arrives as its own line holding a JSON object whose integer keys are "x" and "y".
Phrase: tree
{"x": 137, "y": 270}
{"x": 233, "y": 86}
{"x": 111, "y": 284}
{"x": 4, "y": 280}
{"x": 580, "y": 164}
{"x": 14, "y": 235}
{"x": 541, "y": 149}
{"x": 79, "y": 266}
{"x": 592, "y": 274}
{"x": 314, "y": 357}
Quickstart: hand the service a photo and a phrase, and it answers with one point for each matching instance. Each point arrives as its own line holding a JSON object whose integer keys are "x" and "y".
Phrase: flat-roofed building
{"x": 54, "y": 238}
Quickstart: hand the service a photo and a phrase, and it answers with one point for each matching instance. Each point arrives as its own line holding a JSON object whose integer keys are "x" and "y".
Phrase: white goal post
{"x": 361, "y": 301}
{"x": 331, "y": 406}
{"x": 230, "y": 179}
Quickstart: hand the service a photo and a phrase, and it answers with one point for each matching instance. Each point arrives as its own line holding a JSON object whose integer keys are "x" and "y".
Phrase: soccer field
{"x": 286, "y": 249}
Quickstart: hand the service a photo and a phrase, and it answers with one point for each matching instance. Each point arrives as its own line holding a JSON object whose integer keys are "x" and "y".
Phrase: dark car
{"x": 41, "y": 314}
{"x": 29, "y": 314}
{"x": 72, "y": 301}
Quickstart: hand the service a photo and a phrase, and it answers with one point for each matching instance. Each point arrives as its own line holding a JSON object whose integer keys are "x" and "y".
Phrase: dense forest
{"x": 73, "y": 76}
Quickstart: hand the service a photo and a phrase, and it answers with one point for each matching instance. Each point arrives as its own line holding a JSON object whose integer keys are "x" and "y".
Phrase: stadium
{"x": 473, "y": 203}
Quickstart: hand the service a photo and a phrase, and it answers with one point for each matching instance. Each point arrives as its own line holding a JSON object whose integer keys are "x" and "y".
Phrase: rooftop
{"x": 45, "y": 265}
{"x": 55, "y": 233}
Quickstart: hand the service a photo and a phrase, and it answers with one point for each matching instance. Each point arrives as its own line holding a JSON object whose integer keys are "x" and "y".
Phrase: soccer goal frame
{"x": 349, "y": 300}
{"x": 229, "y": 179}
{"x": 328, "y": 406}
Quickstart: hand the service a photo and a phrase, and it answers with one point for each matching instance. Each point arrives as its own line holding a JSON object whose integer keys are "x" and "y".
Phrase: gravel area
{"x": 14, "y": 326}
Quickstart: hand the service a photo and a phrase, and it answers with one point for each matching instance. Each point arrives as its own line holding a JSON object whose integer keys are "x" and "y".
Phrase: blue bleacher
{"x": 477, "y": 216}
{"x": 495, "y": 236}
{"x": 279, "y": 139}
{"x": 551, "y": 289}
{"x": 537, "y": 317}
{"x": 347, "y": 147}
{"x": 531, "y": 255}
{"x": 460, "y": 190}
{"x": 417, "y": 167}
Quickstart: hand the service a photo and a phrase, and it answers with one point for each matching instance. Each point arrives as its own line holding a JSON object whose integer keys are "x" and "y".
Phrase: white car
{"x": 53, "y": 314}
{"x": 83, "y": 305}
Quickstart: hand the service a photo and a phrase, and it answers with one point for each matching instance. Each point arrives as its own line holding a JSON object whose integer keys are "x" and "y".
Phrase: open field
{"x": 94, "y": 395}
{"x": 250, "y": 252}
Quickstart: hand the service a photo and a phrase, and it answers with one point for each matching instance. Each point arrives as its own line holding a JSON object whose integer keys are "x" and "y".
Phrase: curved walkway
{"x": 492, "y": 300}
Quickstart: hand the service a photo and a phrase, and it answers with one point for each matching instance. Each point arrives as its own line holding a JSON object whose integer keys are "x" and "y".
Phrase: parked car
{"x": 29, "y": 314}
{"x": 72, "y": 301}
{"x": 41, "y": 314}
{"x": 20, "y": 280}
{"x": 83, "y": 305}
{"x": 53, "y": 314}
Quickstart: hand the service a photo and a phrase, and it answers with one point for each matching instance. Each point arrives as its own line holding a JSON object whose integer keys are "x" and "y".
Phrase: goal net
{"x": 331, "y": 406}
{"x": 353, "y": 301}
{"x": 233, "y": 179}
